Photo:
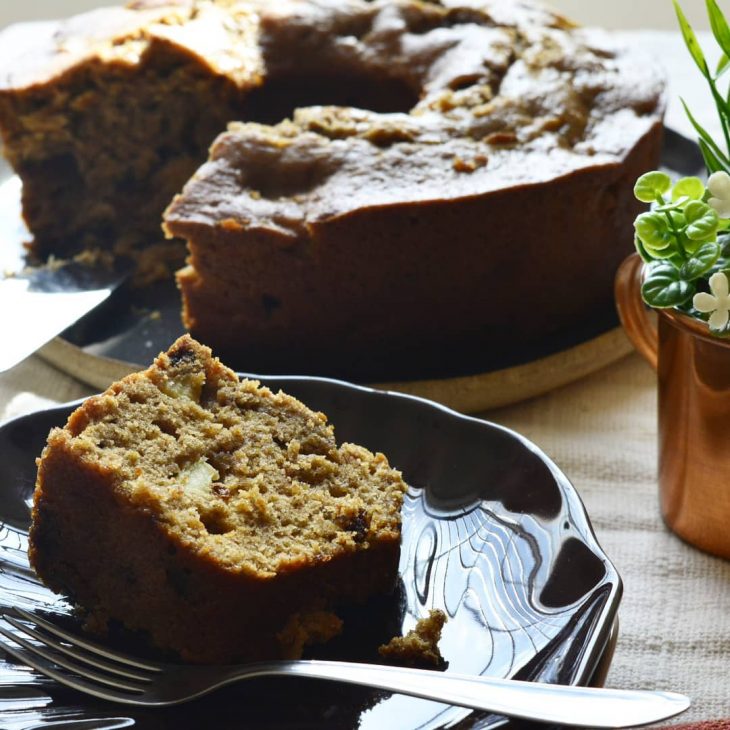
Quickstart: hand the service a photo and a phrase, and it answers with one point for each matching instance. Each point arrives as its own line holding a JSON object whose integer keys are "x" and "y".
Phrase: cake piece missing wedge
{"x": 211, "y": 513}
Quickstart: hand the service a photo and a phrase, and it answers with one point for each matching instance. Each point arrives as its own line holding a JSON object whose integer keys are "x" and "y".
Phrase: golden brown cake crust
{"x": 217, "y": 516}
{"x": 419, "y": 289}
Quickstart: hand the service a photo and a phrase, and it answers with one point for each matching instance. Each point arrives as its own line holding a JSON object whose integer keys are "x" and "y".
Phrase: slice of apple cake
{"x": 212, "y": 513}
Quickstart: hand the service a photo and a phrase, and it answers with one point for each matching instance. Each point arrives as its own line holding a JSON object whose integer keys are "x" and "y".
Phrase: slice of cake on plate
{"x": 219, "y": 517}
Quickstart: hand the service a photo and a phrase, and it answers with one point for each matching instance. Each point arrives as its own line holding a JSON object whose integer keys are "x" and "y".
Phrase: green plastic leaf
{"x": 724, "y": 240}
{"x": 722, "y": 65}
{"x": 723, "y": 107}
{"x": 664, "y": 287}
{"x": 712, "y": 163}
{"x": 652, "y": 185}
{"x": 675, "y": 206}
{"x": 701, "y": 261}
{"x": 723, "y": 262}
{"x": 702, "y": 221}
{"x": 720, "y": 27}
{"x": 646, "y": 257}
{"x": 692, "y": 247}
{"x": 688, "y": 187}
{"x": 676, "y": 259}
{"x": 679, "y": 220}
{"x": 691, "y": 41}
{"x": 706, "y": 140}
{"x": 654, "y": 232}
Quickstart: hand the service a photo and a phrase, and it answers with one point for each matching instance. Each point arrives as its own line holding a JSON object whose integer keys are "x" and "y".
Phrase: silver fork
{"x": 91, "y": 668}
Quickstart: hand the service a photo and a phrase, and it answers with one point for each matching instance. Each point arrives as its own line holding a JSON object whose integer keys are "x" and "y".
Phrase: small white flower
{"x": 718, "y": 302}
{"x": 719, "y": 186}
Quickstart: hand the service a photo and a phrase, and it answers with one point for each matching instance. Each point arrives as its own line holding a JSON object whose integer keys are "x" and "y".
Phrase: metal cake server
{"x": 36, "y": 304}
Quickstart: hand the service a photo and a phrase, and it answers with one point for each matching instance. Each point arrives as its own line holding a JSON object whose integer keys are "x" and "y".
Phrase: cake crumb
{"x": 419, "y": 647}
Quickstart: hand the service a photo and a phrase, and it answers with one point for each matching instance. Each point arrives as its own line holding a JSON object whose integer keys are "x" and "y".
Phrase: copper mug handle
{"x": 635, "y": 317}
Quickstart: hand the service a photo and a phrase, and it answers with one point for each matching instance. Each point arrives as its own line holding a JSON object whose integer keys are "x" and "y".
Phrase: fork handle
{"x": 566, "y": 705}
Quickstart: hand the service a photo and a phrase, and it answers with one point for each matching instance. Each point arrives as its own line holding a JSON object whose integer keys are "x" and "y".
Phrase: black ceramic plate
{"x": 494, "y": 534}
{"x": 133, "y": 325}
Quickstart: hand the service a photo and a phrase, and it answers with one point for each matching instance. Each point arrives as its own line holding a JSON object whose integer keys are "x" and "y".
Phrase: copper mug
{"x": 693, "y": 369}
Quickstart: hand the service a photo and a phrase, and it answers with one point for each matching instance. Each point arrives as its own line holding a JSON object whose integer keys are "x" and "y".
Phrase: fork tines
{"x": 74, "y": 661}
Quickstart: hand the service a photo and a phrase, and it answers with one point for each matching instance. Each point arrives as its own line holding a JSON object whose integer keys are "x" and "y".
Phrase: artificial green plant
{"x": 684, "y": 239}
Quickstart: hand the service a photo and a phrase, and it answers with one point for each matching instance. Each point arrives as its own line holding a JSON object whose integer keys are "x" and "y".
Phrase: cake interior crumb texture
{"x": 103, "y": 119}
{"x": 216, "y": 515}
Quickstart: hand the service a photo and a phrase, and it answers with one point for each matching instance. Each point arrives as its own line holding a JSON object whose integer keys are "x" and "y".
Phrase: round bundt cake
{"x": 405, "y": 186}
